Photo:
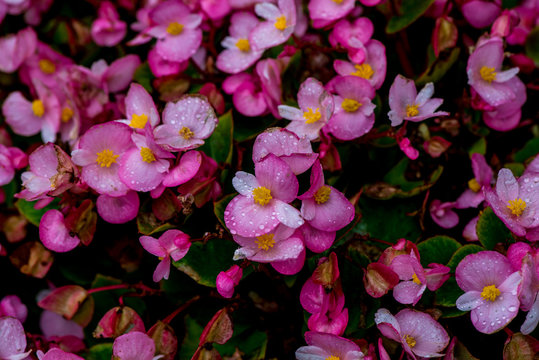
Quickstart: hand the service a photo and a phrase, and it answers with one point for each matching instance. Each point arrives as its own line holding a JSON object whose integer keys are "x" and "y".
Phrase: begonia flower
{"x": 442, "y": 214}
{"x": 354, "y": 112}
{"x": 324, "y": 12}
{"x": 491, "y": 290}
{"x": 332, "y": 317}
{"x": 99, "y": 153}
{"x": 172, "y": 243}
{"x": 279, "y": 25}
{"x": 296, "y": 151}
{"x": 290, "y": 266}
{"x": 12, "y": 339}
{"x": 315, "y": 109}
{"x": 372, "y": 69}
{"x": 54, "y": 234}
{"x": 108, "y": 29}
{"x": 407, "y": 104}
{"x": 485, "y": 75}
{"x": 483, "y": 175}
{"x": 118, "y": 209}
{"x": 407, "y": 148}
{"x": 57, "y": 354}
{"x": 507, "y": 116}
{"x": 227, "y": 280}
{"x": 140, "y": 108}
{"x": 176, "y": 29}
{"x": 263, "y": 199}
{"x": 238, "y": 54}
{"x": 353, "y": 37}
{"x": 16, "y": 48}
{"x": 516, "y": 203}
{"x": 11, "y": 305}
{"x": 160, "y": 66}
{"x": 481, "y": 13}
{"x": 134, "y": 345}
{"x": 420, "y": 335}
{"x": 44, "y": 66}
{"x": 118, "y": 75}
{"x": 470, "y": 230}
{"x": 54, "y": 325}
{"x": 186, "y": 123}
{"x": 317, "y": 240}
{"x": 11, "y": 159}
{"x": 328, "y": 346}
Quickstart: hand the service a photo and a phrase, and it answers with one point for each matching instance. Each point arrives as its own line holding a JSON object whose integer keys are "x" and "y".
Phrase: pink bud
{"x": 227, "y": 280}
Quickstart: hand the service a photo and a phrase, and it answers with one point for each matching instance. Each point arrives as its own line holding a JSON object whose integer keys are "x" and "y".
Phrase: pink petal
{"x": 187, "y": 168}
{"x": 260, "y": 219}
{"x": 506, "y": 185}
{"x": 430, "y": 336}
{"x": 118, "y": 210}
{"x": 317, "y": 241}
{"x": 288, "y": 215}
{"x": 291, "y": 266}
{"x": 139, "y": 102}
{"x": 469, "y": 301}
{"x": 54, "y": 234}
{"x": 274, "y": 174}
{"x": 19, "y": 115}
{"x": 180, "y": 47}
{"x": 12, "y": 338}
{"x": 408, "y": 292}
{"x": 162, "y": 271}
{"x": 134, "y": 346}
{"x": 334, "y": 214}
{"x": 482, "y": 269}
{"x": 152, "y": 246}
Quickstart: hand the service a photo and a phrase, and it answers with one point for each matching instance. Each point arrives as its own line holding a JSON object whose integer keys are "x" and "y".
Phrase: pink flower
{"x": 491, "y": 290}
{"x": 324, "y": 207}
{"x": 134, "y": 345}
{"x": 419, "y": 334}
{"x": 507, "y": 116}
{"x": 186, "y": 123}
{"x": 407, "y": 148}
{"x": 11, "y": 305}
{"x": 176, "y": 29}
{"x": 227, "y": 280}
{"x": 140, "y": 108}
{"x": 44, "y": 66}
{"x": 54, "y": 233}
{"x": 173, "y": 243}
{"x": 353, "y": 37}
{"x": 354, "y": 111}
{"x": 407, "y": 104}
{"x": 16, "y": 48}
{"x": 328, "y": 346}
{"x": 119, "y": 209}
{"x": 215, "y": 9}
{"x": 470, "y": 230}
{"x": 108, "y": 29}
{"x": 324, "y": 12}
{"x": 295, "y": 151}
{"x": 315, "y": 109}
{"x": 279, "y": 24}
{"x": 57, "y": 354}
{"x": 480, "y": 13}
{"x": 485, "y": 75}
{"x": 263, "y": 200}
{"x": 516, "y": 203}
{"x": 238, "y": 54}
{"x": 11, "y": 159}
{"x": 118, "y": 75}
{"x": 483, "y": 175}
{"x": 12, "y": 339}
{"x": 316, "y": 240}
{"x": 443, "y": 214}
{"x": 163, "y": 67}
{"x": 372, "y": 69}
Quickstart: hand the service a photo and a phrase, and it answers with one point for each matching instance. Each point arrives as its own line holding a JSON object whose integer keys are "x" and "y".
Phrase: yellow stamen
{"x": 280, "y": 23}
{"x": 174, "y": 28}
{"x": 411, "y": 110}
{"x": 416, "y": 279}
{"x": 243, "y": 45}
{"x": 322, "y": 195}
{"x": 67, "y": 114}
{"x": 487, "y": 73}
{"x": 38, "y": 108}
{"x": 262, "y": 195}
{"x": 337, "y": 2}
{"x": 474, "y": 185}
{"x": 364, "y": 71}
{"x": 147, "y": 155}
{"x": 311, "y": 116}
{"x": 186, "y": 133}
{"x": 350, "y": 105}
{"x": 265, "y": 242}
{"x": 106, "y": 158}
{"x": 490, "y": 293}
{"x": 333, "y": 357}
{"x": 517, "y": 206}
{"x": 410, "y": 340}
{"x": 47, "y": 66}
{"x": 138, "y": 121}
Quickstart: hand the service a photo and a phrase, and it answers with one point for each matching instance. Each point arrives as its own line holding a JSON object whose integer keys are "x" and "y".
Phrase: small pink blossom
{"x": 419, "y": 334}
{"x": 11, "y": 159}
{"x": 407, "y": 104}
{"x": 173, "y": 243}
{"x": 483, "y": 175}
{"x": 16, "y": 48}
{"x": 507, "y": 116}
{"x": 44, "y": 66}
{"x": 108, "y": 29}
{"x": 353, "y": 37}
{"x": 54, "y": 233}
{"x": 324, "y": 12}
{"x": 491, "y": 290}
{"x": 443, "y": 214}
{"x": 407, "y": 148}
{"x": 227, "y": 280}
{"x": 12, "y": 339}
{"x": 481, "y": 13}
{"x": 323, "y": 346}
{"x": 279, "y": 25}
{"x": 11, "y": 305}
{"x": 140, "y": 108}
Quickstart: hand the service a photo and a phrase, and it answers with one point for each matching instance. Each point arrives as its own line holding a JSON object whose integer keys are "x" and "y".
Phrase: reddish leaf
{"x": 166, "y": 342}
{"x": 218, "y": 330}
{"x": 64, "y": 300}
{"x": 31, "y": 258}
{"x": 118, "y": 321}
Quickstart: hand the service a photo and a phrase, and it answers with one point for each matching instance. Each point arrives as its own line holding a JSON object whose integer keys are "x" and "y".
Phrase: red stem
{"x": 121, "y": 286}
{"x": 172, "y": 315}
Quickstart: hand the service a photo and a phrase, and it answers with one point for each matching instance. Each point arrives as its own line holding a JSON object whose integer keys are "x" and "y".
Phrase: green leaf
{"x": 437, "y": 249}
{"x": 220, "y": 206}
{"x": 532, "y": 45}
{"x": 99, "y": 352}
{"x": 530, "y": 149}
{"x": 193, "y": 330}
{"x": 148, "y": 224}
{"x": 411, "y": 10}
{"x": 491, "y": 230}
{"x": 219, "y": 145}
{"x": 204, "y": 262}
{"x": 516, "y": 168}
{"x": 479, "y": 147}
{"x": 448, "y": 294}
{"x": 143, "y": 76}
{"x": 462, "y": 253}
{"x": 439, "y": 67}
{"x": 26, "y": 208}
{"x": 246, "y": 128}
{"x": 9, "y": 191}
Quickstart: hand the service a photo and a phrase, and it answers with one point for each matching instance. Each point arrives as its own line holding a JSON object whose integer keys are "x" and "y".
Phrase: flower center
{"x": 410, "y": 340}
{"x": 147, "y": 155}
{"x": 243, "y": 45}
{"x": 138, "y": 121}
{"x": 350, "y": 105}
{"x": 416, "y": 279}
{"x": 186, "y": 133}
{"x": 487, "y": 73}
{"x": 312, "y": 116}
{"x": 333, "y": 357}
{"x": 322, "y": 195}
{"x": 262, "y": 195}
{"x": 490, "y": 293}
{"x": 106, "y": 157}
{"x": 364, "y": 71}
{"x": 474, "y": 185}
{"x": 265, "y": 242}
{"x": 517, "y": 206}
{"x": 411, "y": 110}
{"x": 67, "y": 114}
{"x": 47, "y": 66}
{"x": 38, "y": 108}
{"x": 174, "y": 28}
{"x": 280, "y": 23}
{"x": 337, "y": 2}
